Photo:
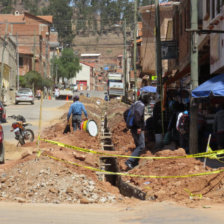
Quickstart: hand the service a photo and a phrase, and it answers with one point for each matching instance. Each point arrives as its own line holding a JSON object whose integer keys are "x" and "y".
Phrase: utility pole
{"x": 56, "y": 81}
{"x": 158, "y": 49}
{"x": 159, "y": 60}
{"x": 125, "y": 62}
{"x": 2, "y": 65}
{"x": 193, "y": 137}
{"x": 135, "y": 49}
{"x": 17, "y": 59}
{"x": 34, "y": 51}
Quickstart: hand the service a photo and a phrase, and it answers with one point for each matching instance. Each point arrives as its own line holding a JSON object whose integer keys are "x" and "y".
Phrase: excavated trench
{"x": 111, "y": 164}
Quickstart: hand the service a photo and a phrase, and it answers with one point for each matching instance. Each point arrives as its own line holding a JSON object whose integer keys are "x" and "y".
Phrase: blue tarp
{"x": 148, "y": 89}
{"x": 214, "y": 86}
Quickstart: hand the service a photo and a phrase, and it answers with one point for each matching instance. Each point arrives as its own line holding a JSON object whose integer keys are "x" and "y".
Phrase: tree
{"x": 34, "y": 80}
{"x": 68, "y": 64}
{"x": 62, "y": 15}
{"x": 6, "y": 6}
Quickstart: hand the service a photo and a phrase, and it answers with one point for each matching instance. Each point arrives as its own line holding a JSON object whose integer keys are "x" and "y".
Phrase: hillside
{"x": 109, "y": 45}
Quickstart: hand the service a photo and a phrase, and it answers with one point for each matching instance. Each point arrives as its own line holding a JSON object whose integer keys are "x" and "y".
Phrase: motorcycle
{"x": 22, "y": 134}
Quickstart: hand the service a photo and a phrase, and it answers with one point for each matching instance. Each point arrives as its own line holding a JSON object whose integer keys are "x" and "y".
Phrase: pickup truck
{"x": 65, "y": 94}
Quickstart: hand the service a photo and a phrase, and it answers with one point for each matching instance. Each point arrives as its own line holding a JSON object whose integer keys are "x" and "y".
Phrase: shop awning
{"x": 148, "y": 89}
{"x": 214, "y": 87}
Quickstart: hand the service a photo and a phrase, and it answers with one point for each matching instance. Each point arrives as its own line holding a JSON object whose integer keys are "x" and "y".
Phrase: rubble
{"x": 30, "y": 179}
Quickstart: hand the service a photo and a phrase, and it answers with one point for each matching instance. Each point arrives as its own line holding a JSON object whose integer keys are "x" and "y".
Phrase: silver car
{"x": 24, "y": 95}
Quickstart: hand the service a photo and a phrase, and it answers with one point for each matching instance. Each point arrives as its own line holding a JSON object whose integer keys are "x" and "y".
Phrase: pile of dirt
{"x": 190, "y": 191}
{"x": 62, "y": 175}
{"x": 59, "y": 174}
{"x": 47, "y": 181}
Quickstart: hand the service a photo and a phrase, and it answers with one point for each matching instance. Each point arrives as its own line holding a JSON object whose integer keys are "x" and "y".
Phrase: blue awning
{"x": 214, "y": 87}
{"x": 148, "y": 89}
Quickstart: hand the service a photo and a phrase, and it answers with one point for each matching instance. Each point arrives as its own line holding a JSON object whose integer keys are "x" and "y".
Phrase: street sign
{"x": 169, "y": 50}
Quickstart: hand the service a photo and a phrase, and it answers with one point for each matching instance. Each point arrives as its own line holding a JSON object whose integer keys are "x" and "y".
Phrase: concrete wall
{"x": 82, "y": 75}
{"x": 9, "y": 70}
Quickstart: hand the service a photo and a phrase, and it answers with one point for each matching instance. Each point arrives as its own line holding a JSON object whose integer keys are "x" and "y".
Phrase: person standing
{"x": 137, "y": 130}
{"x": 182, "y": 125}
{"x": 219, "y": 127}
{"x": 76, "y": 110}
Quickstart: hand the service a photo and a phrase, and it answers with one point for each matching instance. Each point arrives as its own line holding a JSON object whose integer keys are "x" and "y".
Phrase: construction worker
{"x": 137, "y": 130}
{"x": 76, "y": 110}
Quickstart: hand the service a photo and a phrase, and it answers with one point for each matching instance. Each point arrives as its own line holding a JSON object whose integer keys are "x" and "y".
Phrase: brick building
{"x": 32, "y": 34}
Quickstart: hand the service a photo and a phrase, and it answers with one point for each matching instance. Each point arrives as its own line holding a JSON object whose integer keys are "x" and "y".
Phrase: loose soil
{"x": 50, "y": 179}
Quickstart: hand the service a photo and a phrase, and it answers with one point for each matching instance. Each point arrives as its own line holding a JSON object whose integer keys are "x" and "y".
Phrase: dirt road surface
{"x": 44, "y": 190}
{"x": 143, "y": 212}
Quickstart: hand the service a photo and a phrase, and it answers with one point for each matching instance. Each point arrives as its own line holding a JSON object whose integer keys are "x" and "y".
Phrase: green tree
{"x": 62, "y": 15}
{"x": 68, "y": 64}
{"x": 34, "y": 79}
{"x": 6, "y": 6}
{"x": 31, "y": 6}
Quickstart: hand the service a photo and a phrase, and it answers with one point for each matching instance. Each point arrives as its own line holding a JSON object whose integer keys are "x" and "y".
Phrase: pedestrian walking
{"x": 182, "y": 125}
{"x": 137, "y": 129}
{"x": 76, "y": 110}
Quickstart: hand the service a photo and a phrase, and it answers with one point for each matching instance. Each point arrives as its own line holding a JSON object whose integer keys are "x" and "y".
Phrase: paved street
{"x": 143, "y": 212}
{"x": 32, "y": 114}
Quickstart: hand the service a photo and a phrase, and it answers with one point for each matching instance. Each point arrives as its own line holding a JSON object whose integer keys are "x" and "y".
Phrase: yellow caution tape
{"x": 192, "y": 196}
{"x": 39, "y": 153}
{"x": 133, "y": 175}
{"x": 210, "y": 154}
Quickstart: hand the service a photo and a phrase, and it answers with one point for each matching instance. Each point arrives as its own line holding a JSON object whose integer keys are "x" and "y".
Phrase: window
{"x": 181, "y": 25}
{"x": 218, "y": 6}
{"x": 213, "y": 9}
{"x": 207, "y": 14}
{"x": 21, "y": 61}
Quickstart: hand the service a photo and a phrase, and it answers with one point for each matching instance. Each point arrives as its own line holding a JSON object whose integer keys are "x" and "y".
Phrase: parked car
{"x": 74, "y": 87}
{"x": 24, "y": 95}
{"x": 2, "y": 113}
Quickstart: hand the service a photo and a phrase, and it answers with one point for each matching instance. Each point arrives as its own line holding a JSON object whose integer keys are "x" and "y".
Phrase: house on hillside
{"x": 33, "y": 37}
{"x": 90, "y": 58}
{"x": 85, "y": 77}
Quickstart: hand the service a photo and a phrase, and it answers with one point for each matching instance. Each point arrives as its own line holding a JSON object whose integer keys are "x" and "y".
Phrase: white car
{"x": 24, "y": 95}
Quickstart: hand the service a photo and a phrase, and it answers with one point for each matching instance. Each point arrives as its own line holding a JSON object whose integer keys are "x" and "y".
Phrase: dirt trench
{"x": 50, "y": 179}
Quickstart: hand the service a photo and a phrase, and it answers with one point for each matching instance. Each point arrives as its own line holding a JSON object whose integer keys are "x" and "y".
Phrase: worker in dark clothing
{"x": 219, "y": 127}
{"x": 137, "y": 131}
{"x": 76, "y": 110}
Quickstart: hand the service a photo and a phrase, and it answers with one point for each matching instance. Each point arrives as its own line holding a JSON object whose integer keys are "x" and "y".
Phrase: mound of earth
{"x": 192, "y": 191}
{"x": 66, "y": 175}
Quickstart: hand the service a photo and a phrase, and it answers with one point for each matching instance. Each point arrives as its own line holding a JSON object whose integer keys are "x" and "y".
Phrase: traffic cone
{"x": 67, "y": 98}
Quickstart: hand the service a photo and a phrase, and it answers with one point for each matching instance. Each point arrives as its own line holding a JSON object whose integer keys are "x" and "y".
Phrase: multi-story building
{"x": 213, "y": 19}
{"x": 32, "y": 34}
{"x": 9, "y": 68}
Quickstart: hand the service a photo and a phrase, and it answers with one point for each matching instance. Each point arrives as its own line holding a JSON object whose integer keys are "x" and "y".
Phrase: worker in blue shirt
{"x": 76, "y": 110}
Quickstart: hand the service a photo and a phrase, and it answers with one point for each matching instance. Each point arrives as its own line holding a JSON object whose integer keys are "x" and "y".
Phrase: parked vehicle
{"x": 65, "y": 93}
{"x": 74, "y": 87}
{"x": 2, "y": 113}
{"x": 115, "y": 85}
{"x": 24, "y": 95}
{"x": 22, "y": 134}
{"x": 2, "y": 150}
